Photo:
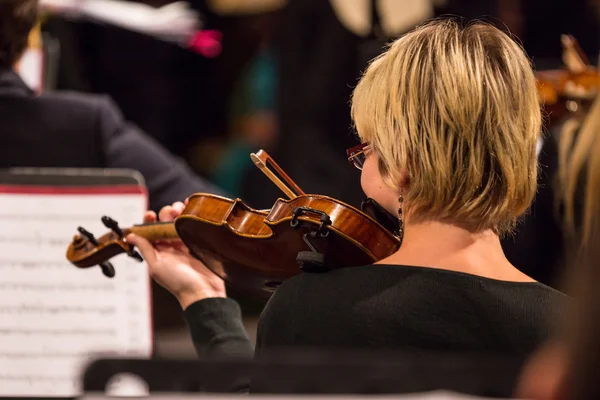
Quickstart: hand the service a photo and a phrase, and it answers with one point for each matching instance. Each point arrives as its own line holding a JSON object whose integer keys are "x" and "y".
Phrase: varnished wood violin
{"x": 570, "y": 90}
{"x": 256, "y": 250}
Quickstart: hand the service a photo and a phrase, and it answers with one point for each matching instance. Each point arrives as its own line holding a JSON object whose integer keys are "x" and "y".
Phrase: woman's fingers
{"x": 165, "y": 214}
{"x": 149, "y": 217}
{"x": 145, "y": 247}
{"x": 178, "y": 207}
{"x": 169, "y": 213}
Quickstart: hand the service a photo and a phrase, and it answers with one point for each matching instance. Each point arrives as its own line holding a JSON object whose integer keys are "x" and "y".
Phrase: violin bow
{"x": 263, "y": 161}
{"x": 573, "y": 56}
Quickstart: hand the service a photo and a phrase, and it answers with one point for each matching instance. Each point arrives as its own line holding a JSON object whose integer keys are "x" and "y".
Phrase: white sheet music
{"x": 55, "y": 317}
{"x": 31, "y": 69}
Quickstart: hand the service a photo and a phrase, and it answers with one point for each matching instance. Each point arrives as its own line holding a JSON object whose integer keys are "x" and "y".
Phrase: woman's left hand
{"x": 173, "y": 267}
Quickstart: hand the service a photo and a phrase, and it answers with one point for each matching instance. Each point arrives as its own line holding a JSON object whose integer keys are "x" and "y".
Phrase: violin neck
{"x": 155, "y": 231}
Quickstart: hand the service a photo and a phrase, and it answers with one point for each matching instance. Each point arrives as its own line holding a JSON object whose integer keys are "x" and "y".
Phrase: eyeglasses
{"x": 356, "y": 155}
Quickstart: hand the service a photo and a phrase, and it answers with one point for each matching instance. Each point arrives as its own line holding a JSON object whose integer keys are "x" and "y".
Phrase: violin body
{"x": 564, "y": 94}
{"x": 568, "y": 92}
{"x": 255, "y": 251}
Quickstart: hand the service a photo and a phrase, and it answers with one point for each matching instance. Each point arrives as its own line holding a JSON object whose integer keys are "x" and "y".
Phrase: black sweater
{"x": 385, "y": 307}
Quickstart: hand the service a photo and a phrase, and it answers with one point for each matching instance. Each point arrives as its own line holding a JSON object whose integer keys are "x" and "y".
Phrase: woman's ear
{"x": 404, "y": 180}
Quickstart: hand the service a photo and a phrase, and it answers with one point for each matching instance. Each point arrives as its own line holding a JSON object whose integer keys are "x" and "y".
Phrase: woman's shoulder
{"x": 398, "y": 280}
{"x": 401, "y": 272}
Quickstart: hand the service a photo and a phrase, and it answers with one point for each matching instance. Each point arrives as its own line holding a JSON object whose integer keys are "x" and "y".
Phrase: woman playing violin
{"x": 449, "y": 117}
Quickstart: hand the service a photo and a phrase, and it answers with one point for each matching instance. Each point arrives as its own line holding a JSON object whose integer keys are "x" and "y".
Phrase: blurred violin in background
{"x": 256, "y": 250}
{"x": 570, "y": 90}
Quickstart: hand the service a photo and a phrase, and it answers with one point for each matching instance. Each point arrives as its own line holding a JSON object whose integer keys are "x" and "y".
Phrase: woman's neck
{"x": 445, "y": 246}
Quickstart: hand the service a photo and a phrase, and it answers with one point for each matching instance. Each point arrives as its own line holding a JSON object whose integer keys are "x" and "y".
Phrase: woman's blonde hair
{"x": 574, "y": 155}
{"x": 454, "y": 116}
{"x": 579, "y": 172}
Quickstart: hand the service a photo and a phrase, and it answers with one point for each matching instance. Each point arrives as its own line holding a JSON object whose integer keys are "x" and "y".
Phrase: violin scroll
{"x": 82, "y": 240}
{"x": 87, "y": 251}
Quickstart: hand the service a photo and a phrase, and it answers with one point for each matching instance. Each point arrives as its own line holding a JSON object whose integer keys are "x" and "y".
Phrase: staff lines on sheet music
{"x": 43, "y": 352}
{"x": 64, "y": 220}
{"x": 44, "y": 263}
{"x": 17, "y": 356}
{"x": 62, "y": 287}
{"x": 56, "y": 332}
{"x": 37, "y": 309}
{"x": 34, "y": 378}
{"x": 81, "y": 355}
{"x": 35, "y": 239}
{"x": 6, "y": 263}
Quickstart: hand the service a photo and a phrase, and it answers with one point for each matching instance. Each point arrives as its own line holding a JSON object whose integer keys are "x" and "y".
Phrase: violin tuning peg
{"x": 112, "y": 225}
{"x": 107, "y": 269}
{"x": 88, "y": 235}
{"x": 134, "y": 254}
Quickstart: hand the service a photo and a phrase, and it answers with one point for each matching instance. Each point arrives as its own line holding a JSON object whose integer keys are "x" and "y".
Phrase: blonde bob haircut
{"x": 579, "y": 147}
{"x": 454, "y": 116}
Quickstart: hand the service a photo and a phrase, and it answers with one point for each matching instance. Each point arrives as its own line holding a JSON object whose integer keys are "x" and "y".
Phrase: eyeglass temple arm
{"x": 262, "y": 160}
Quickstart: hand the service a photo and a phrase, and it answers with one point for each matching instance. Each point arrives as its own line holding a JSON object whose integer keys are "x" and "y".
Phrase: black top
{"x": 386, "y": 307}
{"x": 77, "y": 130}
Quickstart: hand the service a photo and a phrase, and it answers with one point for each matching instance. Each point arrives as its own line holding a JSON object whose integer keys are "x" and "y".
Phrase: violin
{"x": 256, "y": 250}
{"x": 572, "y": 89}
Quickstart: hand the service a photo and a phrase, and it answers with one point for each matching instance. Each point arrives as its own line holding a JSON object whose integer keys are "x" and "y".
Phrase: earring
{"x": 400, "y": 217}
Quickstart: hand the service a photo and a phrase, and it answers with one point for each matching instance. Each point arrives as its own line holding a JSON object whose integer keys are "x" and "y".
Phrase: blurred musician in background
{"x": 69, "y": 129}
{"x": 543, "y": 26}
{"x": 449, "y": 146}
{"x": 318, "y": 64}
{"x": 566, "y": 368}
{"x": 538, "y": 26}
{"x": 79, "y": 130}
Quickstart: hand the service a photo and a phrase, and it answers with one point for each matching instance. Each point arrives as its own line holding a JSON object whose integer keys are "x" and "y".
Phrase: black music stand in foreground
{"x": 318, "y": 373}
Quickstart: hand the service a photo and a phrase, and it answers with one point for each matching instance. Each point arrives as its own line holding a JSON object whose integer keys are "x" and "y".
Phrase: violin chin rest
{"x": 311, "y": 261}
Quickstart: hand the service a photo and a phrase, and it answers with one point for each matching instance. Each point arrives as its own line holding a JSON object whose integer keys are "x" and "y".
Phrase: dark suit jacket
{"x": 76, "y": 130}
